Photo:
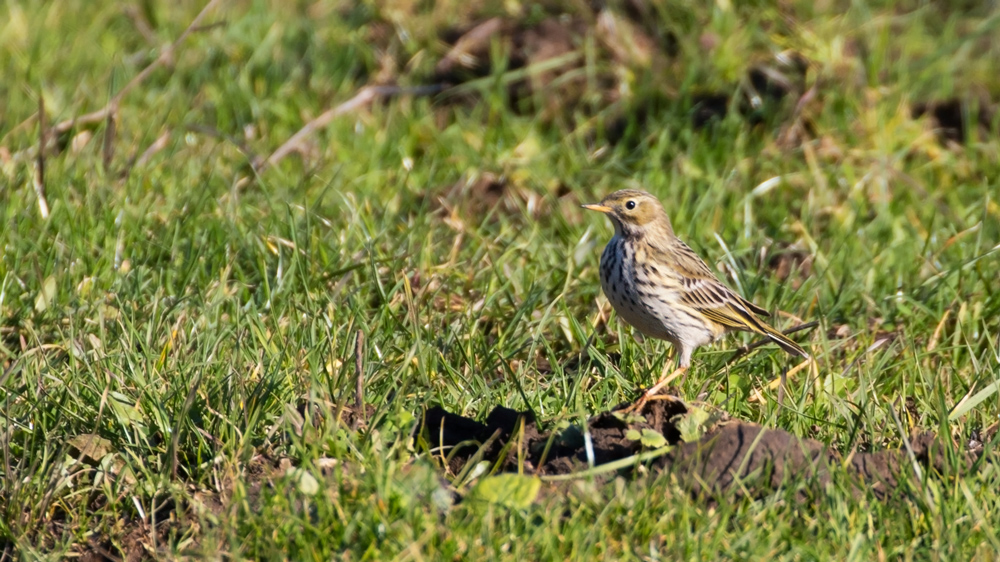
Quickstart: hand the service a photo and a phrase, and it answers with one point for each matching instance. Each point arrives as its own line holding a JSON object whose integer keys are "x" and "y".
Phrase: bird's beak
{"x": 598, "y": 208}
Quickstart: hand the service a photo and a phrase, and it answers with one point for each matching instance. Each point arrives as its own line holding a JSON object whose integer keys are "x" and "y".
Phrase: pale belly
{"x": 649, "y": 311}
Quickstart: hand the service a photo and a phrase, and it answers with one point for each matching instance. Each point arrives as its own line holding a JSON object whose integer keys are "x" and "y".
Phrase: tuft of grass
{"x": 195, "y": 321}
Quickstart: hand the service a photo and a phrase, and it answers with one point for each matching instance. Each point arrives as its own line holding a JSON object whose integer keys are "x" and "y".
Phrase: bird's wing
{"x": 704, "y": 292}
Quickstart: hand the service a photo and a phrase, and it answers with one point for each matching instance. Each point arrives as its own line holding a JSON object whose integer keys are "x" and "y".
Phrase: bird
{"x": 661, "y": 287}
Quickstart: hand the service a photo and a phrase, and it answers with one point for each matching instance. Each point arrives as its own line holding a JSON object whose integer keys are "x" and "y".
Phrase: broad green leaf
{"x": 47, "y": 295}
{"x": 510, "y": 490}
{"x": 652, "y": 439}
{"x": 964, "y": 406}
{"x": 90, "y": 447}
{"x": 630, "y": 417}
{"x": 693, "y": 424}
{"x": 305, "y": 481}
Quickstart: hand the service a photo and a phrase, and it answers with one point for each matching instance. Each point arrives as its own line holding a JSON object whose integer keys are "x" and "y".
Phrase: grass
{"x": 169, "y": 332}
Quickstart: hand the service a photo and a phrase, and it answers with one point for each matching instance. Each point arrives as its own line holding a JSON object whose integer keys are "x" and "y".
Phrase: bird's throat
{"x": 630, "y": 232}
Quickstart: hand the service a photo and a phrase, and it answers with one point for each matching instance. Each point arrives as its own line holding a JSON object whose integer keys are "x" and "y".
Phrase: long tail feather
{"x": 784, "y": 342}
{"x": 740, "y": 318}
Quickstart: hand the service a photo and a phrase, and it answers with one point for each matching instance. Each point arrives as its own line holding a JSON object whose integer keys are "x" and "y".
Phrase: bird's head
{"x": 634, "y": 213}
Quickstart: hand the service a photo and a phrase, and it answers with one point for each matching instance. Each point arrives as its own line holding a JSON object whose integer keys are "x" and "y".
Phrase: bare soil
{"x": 733, "y": 458}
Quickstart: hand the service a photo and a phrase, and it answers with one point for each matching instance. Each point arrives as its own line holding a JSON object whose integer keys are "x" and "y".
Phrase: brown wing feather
{"x": 756, "y": 309}
{"x": 705, "y": 292}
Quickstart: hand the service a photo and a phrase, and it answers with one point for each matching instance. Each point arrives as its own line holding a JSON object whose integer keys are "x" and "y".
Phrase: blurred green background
{"x": 178, "y": 314}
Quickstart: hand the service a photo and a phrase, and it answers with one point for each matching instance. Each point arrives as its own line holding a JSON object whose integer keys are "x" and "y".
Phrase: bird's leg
{"x": 651, "y": 393}
{"x": 664, "y": 381}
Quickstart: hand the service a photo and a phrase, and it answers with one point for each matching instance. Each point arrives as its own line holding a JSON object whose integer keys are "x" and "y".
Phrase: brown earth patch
{"x": 953, "y": 118}
{"x": 792, "y": 265}
{"x": 732, "y": 458}
{"x": 546, "y": 51}
{"x": 138, "y": 541}
{"x": 480, "y": 194}
{"x": 633, "y": 74}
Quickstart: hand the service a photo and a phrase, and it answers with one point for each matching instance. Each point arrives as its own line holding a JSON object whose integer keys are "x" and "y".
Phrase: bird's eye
{"x": 630, "y": 205}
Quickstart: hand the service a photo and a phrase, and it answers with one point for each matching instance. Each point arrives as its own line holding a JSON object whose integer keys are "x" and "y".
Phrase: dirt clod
{"x": 952, "y": 118}
{"x": 733, "y": 457}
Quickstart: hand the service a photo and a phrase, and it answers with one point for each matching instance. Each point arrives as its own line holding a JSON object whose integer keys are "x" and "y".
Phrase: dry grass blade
{"x": 213, "y": 132}
{"x": 365, "y": 96}
{"x": 880, "y": 342}
{"x": 39, "y": 179}
{"x": 108, "y": 148}
{"x": 159, "y": 144}
{"x": 906, "y": 443}
{"x": 967, "y": 403}
{"x": 111, "y": 107}
{"x": 932, "y": 344}
{"x": 779, "y": 382}
{"x": 475, "y": 40}
{"x": 359, "y": 379}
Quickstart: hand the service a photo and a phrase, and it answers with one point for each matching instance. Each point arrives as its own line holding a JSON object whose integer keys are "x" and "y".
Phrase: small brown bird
{"x": 660, "y": 286}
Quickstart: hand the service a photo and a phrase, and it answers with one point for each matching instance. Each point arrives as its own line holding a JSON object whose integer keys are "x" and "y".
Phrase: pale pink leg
{"x": 665, "y": 380}
{"x": 651, "y": 393}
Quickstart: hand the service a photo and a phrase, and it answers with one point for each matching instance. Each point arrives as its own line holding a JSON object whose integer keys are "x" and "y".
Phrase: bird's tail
{"x": 783, "y": 341}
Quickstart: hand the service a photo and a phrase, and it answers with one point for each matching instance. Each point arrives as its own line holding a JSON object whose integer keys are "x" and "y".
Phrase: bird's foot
{"x": 665, "y": 397}
{"x": 637, "y": 406}
{"x": 653, "y": 392}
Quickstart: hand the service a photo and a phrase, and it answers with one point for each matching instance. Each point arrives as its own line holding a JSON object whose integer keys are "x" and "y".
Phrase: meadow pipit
{"x": 660, "y": 286}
